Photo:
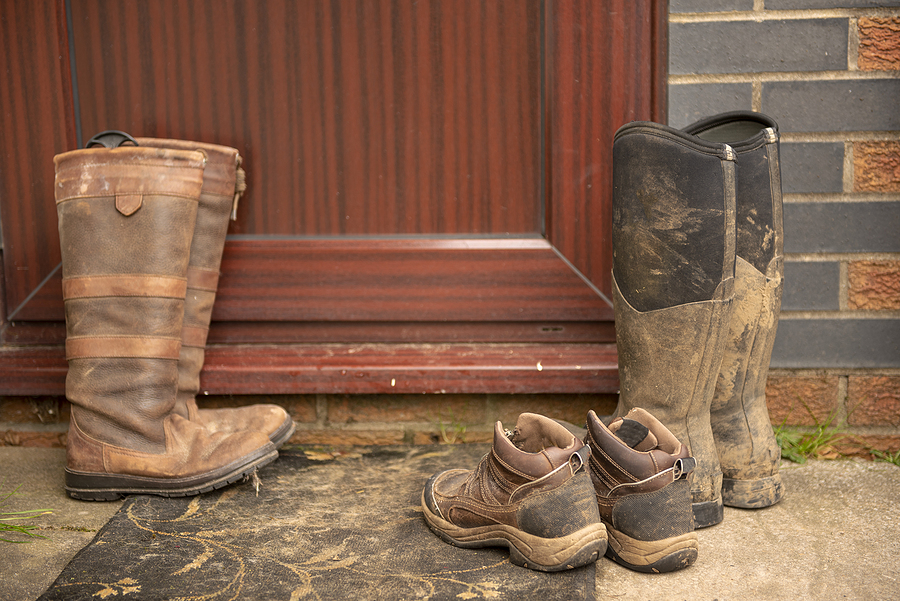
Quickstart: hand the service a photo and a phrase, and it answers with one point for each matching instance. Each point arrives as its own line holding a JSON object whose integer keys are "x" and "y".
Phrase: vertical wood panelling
{"x": 35, "y": 124}
{"x": 359, "y": 120}
{"x": 599, "y": 77}
{"x": 354, "y": 117}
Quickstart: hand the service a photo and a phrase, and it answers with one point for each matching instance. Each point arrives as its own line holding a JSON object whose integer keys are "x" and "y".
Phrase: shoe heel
{"x": 652, "y": 557}
{"x": 588, "y": 548}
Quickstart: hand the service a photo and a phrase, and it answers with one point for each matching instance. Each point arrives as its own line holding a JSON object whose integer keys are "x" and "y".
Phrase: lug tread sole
{"x": 580, "y": 548}
{"x": 708, "y": 513}
{"x": 283, "y": 433}
{"x": 111, "y": 487}
{"x": 657, "y": 556}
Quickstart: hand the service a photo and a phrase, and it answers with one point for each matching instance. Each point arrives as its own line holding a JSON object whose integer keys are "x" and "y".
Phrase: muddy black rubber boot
{"x": 673, "y": 286}
{"x": 748, "y": 452}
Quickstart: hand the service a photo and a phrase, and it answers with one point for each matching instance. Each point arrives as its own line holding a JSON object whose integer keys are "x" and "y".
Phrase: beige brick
{"x": 569, "y": 407}
{"x": 873, "y": 401}
{"x": 16, "y": 410}
{"x": 34, "y": 410}
{"x": 879, "y": 44}
{"x": 335, "y": 437}
{"x": 876, "y": 166}
{"x": 801, "y": 401}
{"x": 392, "y": 409}
{"x": 874, "y": 285}
{"x": 14, "y": 438}
{"x": 302, "y": 408}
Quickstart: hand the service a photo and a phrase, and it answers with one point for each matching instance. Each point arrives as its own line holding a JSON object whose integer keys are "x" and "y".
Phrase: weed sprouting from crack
{"x": 14, "y": 516}
{"x": 798, "y": 444}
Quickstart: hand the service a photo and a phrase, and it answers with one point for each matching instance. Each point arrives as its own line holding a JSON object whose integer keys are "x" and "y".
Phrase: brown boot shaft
{"x": 223, "y": 184}
{"x": 217, "y": 201}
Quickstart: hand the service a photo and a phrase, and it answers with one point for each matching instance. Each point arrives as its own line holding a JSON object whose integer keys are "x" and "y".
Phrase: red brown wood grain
{"x": 419, "y": 171}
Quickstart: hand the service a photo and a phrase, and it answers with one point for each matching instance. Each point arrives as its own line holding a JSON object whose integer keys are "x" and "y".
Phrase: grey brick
{"x": 801, "y": 4}
{"x": 812, "y": 167}
{"x": 692, "y": 102}
{"x": 847, "y": 343}
{"x": 842, "y": 227}
{"x": 749, "y": 46}
{"x": 811, "y": 286}
{"x": 842, "y": 105}
{"x": 708, "y": 6}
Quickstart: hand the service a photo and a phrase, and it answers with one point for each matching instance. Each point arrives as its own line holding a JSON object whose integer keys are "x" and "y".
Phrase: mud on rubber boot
{"x": 640, "y": 473}
{"x": 224, "y": 182}
{"x": 126, "y": 217}
{"x": 530, "y": 493}
{"x": 749, "y": 455}
{"x": 673, "y": 286}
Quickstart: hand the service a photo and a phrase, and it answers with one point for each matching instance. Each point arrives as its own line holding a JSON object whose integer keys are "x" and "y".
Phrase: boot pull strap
{"x": 111, "y": 138}
{"x": 240, "y": 185}
{"x": 127, "y": 204}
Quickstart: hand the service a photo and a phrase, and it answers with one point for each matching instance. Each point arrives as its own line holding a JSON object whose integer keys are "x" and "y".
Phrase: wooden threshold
{"x": 511, "y": 368}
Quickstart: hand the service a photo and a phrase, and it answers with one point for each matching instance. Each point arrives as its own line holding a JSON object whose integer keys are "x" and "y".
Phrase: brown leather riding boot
{"x": 126, "y": 219}
{"x": 530, "y": 493}
{"x": 748, "y": 453}
{"x": 641, "y": 475}
{"x": 223, "y": 184}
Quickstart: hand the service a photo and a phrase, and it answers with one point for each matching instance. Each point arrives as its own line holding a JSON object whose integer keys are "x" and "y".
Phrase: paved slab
{"x": 27, "y": 569}
{"x": 835, "y": 536}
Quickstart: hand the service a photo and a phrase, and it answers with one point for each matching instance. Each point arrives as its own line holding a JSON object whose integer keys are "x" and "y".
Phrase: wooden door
{"x": 428, "y": 203}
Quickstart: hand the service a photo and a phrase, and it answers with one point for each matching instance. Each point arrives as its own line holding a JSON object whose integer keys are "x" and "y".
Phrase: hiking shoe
{"x": 530, "y": 493}
{"x": 640, "y": 474}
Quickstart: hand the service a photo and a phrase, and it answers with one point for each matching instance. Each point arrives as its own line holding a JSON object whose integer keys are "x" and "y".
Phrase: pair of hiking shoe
{"x": 559, "y": 502}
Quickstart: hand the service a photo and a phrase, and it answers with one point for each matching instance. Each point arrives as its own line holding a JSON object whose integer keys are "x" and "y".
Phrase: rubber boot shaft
{"x": 673, "y": 285}
{"x": 748, "y": 453}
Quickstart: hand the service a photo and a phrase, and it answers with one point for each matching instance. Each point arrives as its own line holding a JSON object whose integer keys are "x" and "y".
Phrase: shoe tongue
{"x": 635, "y": 434}
{"x": 535, "y": 433}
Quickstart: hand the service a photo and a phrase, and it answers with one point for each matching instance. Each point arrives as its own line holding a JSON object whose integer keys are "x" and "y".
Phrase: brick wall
{"x": 829, "y": 72}
{"x": 339, "y": 419}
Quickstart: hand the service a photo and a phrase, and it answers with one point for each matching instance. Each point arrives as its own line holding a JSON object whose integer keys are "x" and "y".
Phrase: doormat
{"x": 321, "y": 526}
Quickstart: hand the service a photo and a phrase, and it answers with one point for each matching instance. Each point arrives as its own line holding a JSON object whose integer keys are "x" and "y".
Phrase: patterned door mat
{"x": 322, "y": 526}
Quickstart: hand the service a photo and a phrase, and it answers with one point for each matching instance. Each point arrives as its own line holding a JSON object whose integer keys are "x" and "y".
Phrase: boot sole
{"x": 752, "y": 494}
{"x": 526, "y": 550}
{"x": 87, "y": 486}
{"x": 657, "y": 556}
{"x": 283, "y": 433}
{"x": 708, "y": 513}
